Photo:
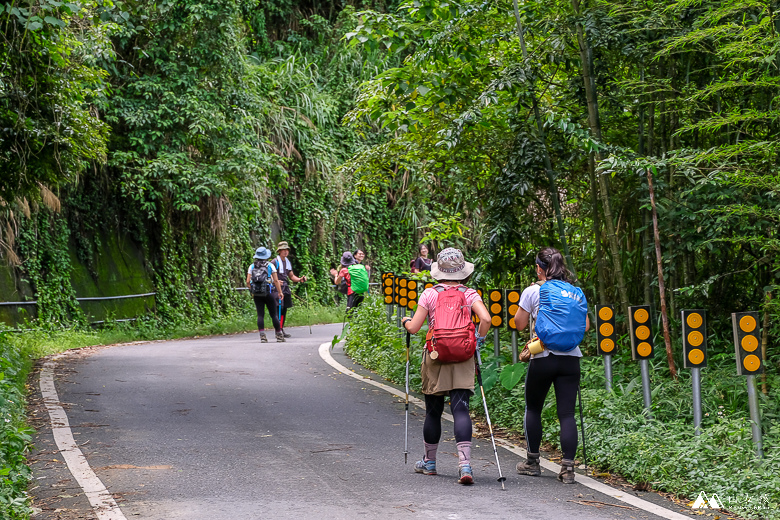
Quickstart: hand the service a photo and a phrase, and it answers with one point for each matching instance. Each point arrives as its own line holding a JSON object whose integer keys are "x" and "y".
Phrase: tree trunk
{"x": 586, "y": 57}
{"x": 554, "y": 195}
{"x": 597, "y": 229}
{"x": 765, "y": 341}
{"x": 661, "y": 289}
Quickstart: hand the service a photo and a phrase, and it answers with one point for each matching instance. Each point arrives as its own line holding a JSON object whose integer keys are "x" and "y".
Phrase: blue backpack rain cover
{"x": 560, "y": 322}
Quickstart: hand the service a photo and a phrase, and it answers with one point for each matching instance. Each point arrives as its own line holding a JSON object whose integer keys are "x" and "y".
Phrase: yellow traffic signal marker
{"x": 746, "y": 342}
{"x": 606, "y": 336}
{"x": 641, "y": 332}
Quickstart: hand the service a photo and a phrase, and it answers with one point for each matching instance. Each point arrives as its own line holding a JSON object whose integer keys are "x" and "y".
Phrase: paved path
{"x": 228, "y": 428}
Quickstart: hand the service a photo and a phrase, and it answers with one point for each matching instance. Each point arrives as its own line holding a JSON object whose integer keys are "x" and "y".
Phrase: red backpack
{"x": 451, "y": 339}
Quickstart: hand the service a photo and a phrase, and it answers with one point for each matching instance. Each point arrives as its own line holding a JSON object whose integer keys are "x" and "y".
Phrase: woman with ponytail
{"x": 555, "y": 367}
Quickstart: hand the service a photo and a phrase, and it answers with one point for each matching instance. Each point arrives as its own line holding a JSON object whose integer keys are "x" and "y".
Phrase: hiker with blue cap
{"x": 259, "y": 277}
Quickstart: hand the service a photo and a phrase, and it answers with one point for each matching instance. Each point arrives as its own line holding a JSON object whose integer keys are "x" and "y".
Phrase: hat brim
{"x": 464, "y": 273}
{"x": 352, "y": 261}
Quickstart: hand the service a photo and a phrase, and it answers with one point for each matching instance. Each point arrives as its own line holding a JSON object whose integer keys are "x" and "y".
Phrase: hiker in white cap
{"x": 448, "y": 307}
{"x": 285, "y": 273}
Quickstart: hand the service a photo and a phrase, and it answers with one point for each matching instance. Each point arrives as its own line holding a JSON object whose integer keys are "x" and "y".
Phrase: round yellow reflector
{"x": 694, "y": 320}
{"x": 607, "y": 345}
{"x": 412, "y": 304}
{"x": 607, "y": 329}
{"x": 642, "y": 332}
{"x": 747, "y": 323}
{"x": 496, "y": 321}
{"x": 513, "y": 297}
{"x": 428, "y": 285}
{"x": 605, "y": 313}
{"x": 696, "y": 356}
{"x": 644, "y": 349}
{"x": 512, "y": 323}
{"x": 388, "y": 290}
{"x": 402, "y": 292}
{"x": 388, "y": 300}
{"x": 695, "y": 338}
{"x": 641, "y": 315}
{"x": 412, "y": 295}
{"x": 495, "y": 296}
{"x": 512, "y": 309}
{"x": 412, "y": 284}
{"x": 751, "y": 363}
{"x": 750, "y": 343}
{"x": 402, "y": 282}
{"x": 402, "y": 302}
{"x": 495, "y": 308}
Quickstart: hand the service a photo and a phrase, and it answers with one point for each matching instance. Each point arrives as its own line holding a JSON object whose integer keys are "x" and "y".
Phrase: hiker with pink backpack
{"x": 449, "y": 363}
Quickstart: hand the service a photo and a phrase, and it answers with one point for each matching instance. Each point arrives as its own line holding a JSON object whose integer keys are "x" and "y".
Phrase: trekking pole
{"x": 582, "y": 428}
{"x": 308, "y": 308}
{"x": 406, "y": 426}
{"x": 501, "y": 477}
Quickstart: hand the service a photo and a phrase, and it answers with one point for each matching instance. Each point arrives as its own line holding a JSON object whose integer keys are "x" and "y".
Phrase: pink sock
{"x": 430, "y": 451}
{"x": 464, "y": 453}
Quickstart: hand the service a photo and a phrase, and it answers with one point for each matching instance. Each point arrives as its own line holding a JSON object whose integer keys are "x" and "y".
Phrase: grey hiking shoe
{"x": 465, "y": 476}
{"x": 263, "y": 338}
{"x": 530, "y": 466}
{"x": 566, "y": 475}
{"x": 279, "y": 337}
{"x": 426, "y": 467}
{"x": 286, "y": 335}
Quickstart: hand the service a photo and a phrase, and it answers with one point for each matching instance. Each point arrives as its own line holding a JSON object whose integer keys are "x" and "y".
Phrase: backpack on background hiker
{"x": 560, "y": 322}
{"x": 358, "y": 278}
{"x": 259, "y": 278}
{"x": 451, "y": 339}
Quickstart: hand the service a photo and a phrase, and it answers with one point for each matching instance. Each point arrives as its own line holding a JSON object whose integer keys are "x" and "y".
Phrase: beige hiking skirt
{"x": 440, "y": 378}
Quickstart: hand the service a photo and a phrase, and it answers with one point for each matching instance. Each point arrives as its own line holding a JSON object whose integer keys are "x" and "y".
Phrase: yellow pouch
{"x": 536, "y": 346}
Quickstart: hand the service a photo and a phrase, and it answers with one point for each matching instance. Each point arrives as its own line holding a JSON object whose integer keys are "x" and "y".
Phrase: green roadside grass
{"x": 661, "y": 453}
{"x": 19, "y": 350}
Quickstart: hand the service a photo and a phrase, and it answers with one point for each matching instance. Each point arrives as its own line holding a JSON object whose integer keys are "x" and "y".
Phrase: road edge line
{"x": 644, "y": 505}
{"x": 102, "y": 502}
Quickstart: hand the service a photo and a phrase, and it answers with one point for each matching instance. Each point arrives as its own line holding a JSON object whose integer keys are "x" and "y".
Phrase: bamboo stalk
{"x": 661, "y": 287}
{"x": 765, "y": 341}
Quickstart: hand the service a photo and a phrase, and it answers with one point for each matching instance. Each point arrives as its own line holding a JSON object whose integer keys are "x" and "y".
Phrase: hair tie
{"x": 541, "y": 264}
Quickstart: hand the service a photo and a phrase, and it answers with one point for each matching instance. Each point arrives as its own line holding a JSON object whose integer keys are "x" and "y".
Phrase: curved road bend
{"x": 228, "y": 428}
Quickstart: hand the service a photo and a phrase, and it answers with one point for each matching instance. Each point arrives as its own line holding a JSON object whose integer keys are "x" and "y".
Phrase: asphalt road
{"x": 228, "y": 428}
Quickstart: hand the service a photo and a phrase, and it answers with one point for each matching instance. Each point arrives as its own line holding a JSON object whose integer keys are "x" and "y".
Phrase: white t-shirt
{"x": 529, "y": 302}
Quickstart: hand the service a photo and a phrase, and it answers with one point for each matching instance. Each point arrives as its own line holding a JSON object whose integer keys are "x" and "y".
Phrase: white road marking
{"x": 546, "y": 464}
{"x": 102, "y": 502}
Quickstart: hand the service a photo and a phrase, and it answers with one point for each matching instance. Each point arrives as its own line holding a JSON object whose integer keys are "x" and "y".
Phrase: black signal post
{"x": 747, "y": 341}
{"x": 694, "y": 331}
{"x": 512, "y": 299}
{"x": 606, "y": 339}
{"x": 496, "y": 309}
{"x": 641, "y": 329}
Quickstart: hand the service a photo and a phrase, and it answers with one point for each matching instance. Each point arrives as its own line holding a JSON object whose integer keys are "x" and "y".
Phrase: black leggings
{"x": 261, "y": 302}
{"x": 434, "y": 407}
{"x": 563, "y": 372}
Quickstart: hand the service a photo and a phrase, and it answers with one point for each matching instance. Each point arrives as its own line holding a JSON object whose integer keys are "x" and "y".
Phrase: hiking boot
{"x": 530, "y": 466}
{"x": 465, "y": 476}
{"x": 426, "y": 467}
{"x": 263, "y": 338}
{"x": 279, "y": 337}
{"x": 286, "y": 335}
{"x": 566, "y": 475}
